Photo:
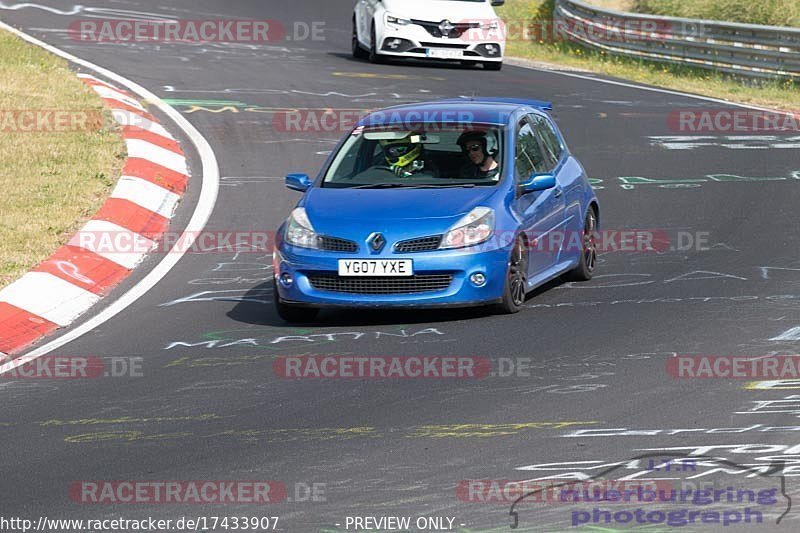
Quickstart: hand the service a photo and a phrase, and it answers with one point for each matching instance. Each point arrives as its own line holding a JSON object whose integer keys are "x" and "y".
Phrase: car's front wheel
{"x": 516, "y": 280}
{"x": 290, "y": 313}
{"x": 588, "y": 261}
{"x": 374, "y": 56}
{"x": 358, "y": 52}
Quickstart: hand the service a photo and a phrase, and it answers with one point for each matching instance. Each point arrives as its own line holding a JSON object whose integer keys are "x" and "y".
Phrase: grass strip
{"x": 60, "y": 155}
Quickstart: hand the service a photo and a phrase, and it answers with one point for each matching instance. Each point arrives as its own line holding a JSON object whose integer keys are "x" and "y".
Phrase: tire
{"x": 588, "y": 261}
{"x": 493, "y": 65}
{"x": 358, "y": 52}
{"x": 374, "y": 56}
{"x": 516, "y": 280}
{"x": 292, "y": 314}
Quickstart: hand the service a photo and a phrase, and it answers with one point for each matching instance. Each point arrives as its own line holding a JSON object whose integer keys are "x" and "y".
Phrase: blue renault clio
{"x": 450, "y": 203}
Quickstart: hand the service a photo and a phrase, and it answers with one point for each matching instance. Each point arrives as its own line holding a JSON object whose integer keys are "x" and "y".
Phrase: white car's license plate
{"x": 376, "y": 267}
{"x": 444, "y": 53}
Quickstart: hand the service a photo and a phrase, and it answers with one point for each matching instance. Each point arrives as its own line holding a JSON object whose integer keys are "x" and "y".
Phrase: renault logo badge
{"x": 376, "y": 242}
{"x": 446, "y": 27}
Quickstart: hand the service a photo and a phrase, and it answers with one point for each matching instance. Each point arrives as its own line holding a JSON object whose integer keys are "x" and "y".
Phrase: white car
{"x": 465, "y": 30}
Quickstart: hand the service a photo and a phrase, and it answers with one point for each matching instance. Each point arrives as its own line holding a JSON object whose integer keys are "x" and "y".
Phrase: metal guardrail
{"x": 743, "y": 49}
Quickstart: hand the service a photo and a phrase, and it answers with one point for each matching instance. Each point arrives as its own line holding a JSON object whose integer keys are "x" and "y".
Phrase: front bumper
{"x": 303, "y": 266}
{"x": 414, "y": 41}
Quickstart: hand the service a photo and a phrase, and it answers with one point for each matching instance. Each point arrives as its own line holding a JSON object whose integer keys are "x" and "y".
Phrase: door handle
{"x": 557, "y": 193}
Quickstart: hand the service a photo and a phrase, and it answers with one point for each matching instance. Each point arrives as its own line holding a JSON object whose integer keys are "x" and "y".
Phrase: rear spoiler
{"x": 539, "y": 104}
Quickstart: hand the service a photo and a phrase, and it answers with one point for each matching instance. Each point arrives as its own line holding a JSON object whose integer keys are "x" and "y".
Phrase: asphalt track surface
{"x": 597, "y": 350}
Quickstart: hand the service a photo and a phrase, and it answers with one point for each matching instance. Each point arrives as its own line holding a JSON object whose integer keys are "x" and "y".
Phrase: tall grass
{"x": 770, "y": 12}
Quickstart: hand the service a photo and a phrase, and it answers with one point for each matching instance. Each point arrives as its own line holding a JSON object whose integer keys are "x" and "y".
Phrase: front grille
{"x": 334, "y": 244}
{"x": 455, "y": 33}
{"x": 445, "y": 45}
{"x": 381, "y": 285}
{"x": 423, "y": 244}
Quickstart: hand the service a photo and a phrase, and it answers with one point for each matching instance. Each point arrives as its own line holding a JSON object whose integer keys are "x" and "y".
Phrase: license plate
{"x": 376, "y": 267}
{"x": 441, "y": 53}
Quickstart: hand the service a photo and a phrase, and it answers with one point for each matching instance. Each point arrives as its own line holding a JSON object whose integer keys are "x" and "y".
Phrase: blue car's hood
{"x": 346, "y": 211}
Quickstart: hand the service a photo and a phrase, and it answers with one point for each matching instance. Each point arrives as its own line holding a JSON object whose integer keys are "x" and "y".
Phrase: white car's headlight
{"x": 299, "y": 231}
{"x": 494, "y": 25}
{"x": 475, "y": 228}
{"x": 400, "y": 21}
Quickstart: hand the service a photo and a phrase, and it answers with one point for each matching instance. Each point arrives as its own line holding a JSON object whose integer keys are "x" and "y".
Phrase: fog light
{"x": 286, "y": 279}
{"x": 492, "y": 50}
{"x": 394, "y": 44}
{"x": 478, "y": 279}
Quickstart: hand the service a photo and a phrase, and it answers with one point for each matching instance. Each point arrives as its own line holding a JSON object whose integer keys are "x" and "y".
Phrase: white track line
{"x": 202, "y": 212}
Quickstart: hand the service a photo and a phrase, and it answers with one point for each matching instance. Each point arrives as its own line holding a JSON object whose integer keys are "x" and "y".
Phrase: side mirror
{"x": 538, "y": 182}
{"x": 299, "y": 182}
{"x": 497, "y": 3}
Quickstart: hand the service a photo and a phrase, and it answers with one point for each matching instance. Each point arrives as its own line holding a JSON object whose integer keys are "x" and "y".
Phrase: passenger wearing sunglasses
{"x": 481, "y": 147}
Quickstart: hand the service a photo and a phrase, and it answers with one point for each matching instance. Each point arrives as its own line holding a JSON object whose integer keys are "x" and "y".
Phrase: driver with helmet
{"x": 406, "y": 157}
{"x": 481, "y": 147}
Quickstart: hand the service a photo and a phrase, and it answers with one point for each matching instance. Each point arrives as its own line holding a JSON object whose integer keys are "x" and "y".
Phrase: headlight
{"x": 491, "y": 26}
{"x": 391, "y": 19}
{"x": 299, "y": 231}
{"x": 475, "y": 228}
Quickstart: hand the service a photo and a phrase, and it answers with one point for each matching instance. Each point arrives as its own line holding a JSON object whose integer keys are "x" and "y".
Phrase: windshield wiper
{"x": 459, "y": 186}
{"x": 380, "y": 186}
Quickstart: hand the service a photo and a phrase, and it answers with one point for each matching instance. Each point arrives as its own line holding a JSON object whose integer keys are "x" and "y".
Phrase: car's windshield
{"x": 430, "y": 157}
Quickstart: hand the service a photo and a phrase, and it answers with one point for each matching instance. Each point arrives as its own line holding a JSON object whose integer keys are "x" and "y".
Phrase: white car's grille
{"x": 454, "y": 30}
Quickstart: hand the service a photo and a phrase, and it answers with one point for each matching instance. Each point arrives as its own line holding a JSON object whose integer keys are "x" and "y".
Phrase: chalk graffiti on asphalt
{"x": 90, "y": 12}
{"x": 731, "y": 142}
{"x": 630, "y": 183}
{"x": 789, "y": 405}
{"x": 304, "y": 337}
{"x": 279, "y": 435}
{"x": 629, "y": 432}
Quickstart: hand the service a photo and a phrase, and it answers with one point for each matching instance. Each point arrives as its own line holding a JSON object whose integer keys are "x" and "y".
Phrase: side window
{"x": 548, "y": 137}
{"x": 529, "y": 157}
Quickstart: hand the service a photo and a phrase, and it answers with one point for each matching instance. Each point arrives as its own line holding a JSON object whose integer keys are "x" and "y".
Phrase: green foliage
{"x": 770, "y": 12}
